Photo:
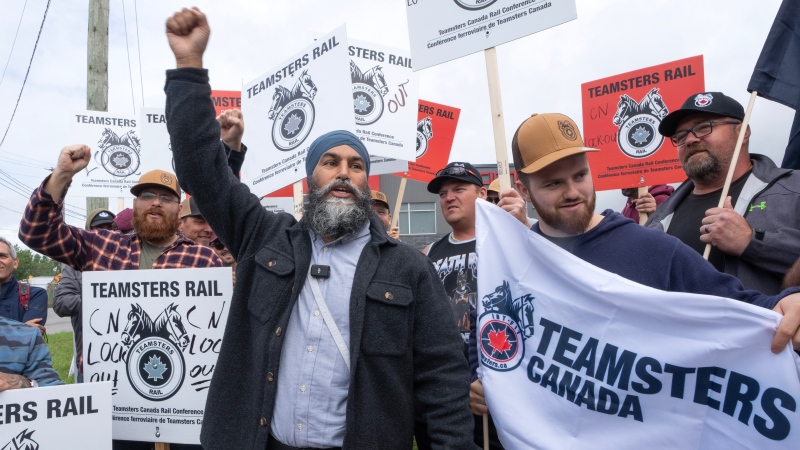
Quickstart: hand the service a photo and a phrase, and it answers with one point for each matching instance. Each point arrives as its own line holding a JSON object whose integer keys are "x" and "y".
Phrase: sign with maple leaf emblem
{"x": 288, "y": 107}
{"x": 501, "y": 325}
{"x": 155, "y": 335}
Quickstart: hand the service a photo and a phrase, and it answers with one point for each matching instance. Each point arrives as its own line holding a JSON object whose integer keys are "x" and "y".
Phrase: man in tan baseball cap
{"x": 380, "y": 206}
{"x": 193, "y": 225}
{"x": 553, "y": 173}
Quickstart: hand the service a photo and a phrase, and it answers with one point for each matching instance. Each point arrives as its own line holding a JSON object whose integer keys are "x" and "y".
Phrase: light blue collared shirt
{"x": 313, "y": 379}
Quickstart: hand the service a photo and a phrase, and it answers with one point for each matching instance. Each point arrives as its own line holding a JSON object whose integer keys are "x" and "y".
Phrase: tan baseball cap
{"x": 544, "y": 139}
{"x": 494, "y": 186}
{"x": 158, "y": 178}
{"x": 378, "y": 196}
{"x": 189, "y": 208}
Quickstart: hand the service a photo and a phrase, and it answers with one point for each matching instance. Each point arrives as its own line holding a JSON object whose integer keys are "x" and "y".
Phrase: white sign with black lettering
{"x": 155, "y": 137}
{"x": 302, "y": 98}
{"x": 156, "y": 335}
{"x": 444, "y": 30}
{"x": 71, "y": 417}
{"x": 384, "y": 99}
{"x": 278, "y": 204}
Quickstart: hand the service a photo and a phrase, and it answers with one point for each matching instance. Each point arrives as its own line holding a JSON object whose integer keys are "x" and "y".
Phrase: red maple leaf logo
{"x": 499, "y": 341}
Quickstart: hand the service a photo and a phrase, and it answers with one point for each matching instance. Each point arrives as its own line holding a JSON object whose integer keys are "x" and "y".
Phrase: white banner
{"x": 384, "y": 100}
{"x": 155, "y": 137}
{"x": 156, "y": 335}
{"x": 288, "y": 107}
{"x": 442, "y": 30}
{"x": 573, "y": 356}
{"x": 71, "y": 417}
{"x": 380, "y": 166}
{"x": 278, "y": 204}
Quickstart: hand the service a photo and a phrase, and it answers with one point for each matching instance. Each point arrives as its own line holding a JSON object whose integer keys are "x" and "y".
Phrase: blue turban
{"x": 334, "y": 139}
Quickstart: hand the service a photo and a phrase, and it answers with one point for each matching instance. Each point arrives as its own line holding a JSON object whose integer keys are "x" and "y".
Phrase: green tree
{"x": 34, "y": 264}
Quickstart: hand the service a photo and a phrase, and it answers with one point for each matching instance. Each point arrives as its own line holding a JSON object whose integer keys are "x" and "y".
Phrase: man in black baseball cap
{"x": 756, "y": 235}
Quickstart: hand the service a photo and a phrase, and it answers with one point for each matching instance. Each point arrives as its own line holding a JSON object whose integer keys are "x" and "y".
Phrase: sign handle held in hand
{"x": 734, "y": 159}
{"x": 297, "y": 192}
{"x": 496, "y": 101}
{"x": 486, "y": 430}
{"x": 399, "y": 202}
{"x": 643, "y": 216}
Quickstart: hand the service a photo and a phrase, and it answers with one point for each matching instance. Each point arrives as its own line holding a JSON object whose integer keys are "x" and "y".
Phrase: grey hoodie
{"x": 769, "y": 202}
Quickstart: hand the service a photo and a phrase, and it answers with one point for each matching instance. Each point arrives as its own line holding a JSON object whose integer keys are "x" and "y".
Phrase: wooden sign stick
{"x": 120, "y": 204}
{"x": 642, "y": 216}
{"x": 162, "y": 446}
{"x": 399, "y": 202}
{"x": 496, "y": 101}
{"x": 734, "y": 159}
{"x": 297, "y": 193}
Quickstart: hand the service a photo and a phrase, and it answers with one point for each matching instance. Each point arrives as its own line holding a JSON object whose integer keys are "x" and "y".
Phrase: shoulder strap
{"x": 24, "y": 290}
{"x": 328, "y": 318}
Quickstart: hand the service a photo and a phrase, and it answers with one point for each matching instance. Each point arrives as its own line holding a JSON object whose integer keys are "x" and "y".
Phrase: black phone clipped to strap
{"x": 319, "y": 271}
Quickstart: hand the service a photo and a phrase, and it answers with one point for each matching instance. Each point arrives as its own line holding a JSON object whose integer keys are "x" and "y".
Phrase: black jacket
{"x": 404, "y": 346}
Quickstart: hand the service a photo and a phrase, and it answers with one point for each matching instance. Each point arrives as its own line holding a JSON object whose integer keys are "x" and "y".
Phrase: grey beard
{"x": 707, "y": 170}
{"x": 335, "y": 217}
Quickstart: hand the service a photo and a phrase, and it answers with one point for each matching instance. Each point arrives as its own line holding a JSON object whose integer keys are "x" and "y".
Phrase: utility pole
{"x": 97, "y": 73}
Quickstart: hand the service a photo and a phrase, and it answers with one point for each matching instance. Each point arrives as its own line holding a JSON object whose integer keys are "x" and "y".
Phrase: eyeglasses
{"x": 494, "y": 200}
{"x": 165, "y": 199}
{"x": 455, "y": 170}
{"x": 217, "y": 245}
{"x": 700, "y": 130}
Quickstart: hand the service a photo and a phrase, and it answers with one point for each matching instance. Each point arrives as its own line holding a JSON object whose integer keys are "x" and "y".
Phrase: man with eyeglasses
{"x": 154, "y": 244}
{"x": 756, "y": 235}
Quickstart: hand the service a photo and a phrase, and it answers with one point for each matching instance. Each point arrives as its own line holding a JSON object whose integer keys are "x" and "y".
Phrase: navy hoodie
{"x": 652, "y": 258}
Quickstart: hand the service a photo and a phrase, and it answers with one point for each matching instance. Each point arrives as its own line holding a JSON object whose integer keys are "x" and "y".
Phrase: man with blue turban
{"x": 337, "y": 336}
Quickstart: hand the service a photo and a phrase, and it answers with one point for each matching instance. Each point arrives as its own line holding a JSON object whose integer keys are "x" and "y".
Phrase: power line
{"x": 128, "y": 51}
{"x": 27, "y": 72}
{"x": 138, "y": 49}
{"x": 14, "y": 43}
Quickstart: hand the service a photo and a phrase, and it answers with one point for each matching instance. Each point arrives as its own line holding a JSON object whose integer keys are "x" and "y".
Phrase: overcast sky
{"x": 539, "y": 73}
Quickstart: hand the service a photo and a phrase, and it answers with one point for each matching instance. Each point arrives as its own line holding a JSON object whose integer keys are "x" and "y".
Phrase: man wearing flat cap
{"x": 340, "y": 331}
{"x": 755, "y": 236}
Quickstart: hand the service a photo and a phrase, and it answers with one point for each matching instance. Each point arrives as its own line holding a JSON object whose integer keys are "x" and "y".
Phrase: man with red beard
{"x": 553, "y": 173}
{"x": 154, "y": 243}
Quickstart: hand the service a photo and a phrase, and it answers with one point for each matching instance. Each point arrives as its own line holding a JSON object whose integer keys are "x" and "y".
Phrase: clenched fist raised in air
{"x": 188, "y": 32}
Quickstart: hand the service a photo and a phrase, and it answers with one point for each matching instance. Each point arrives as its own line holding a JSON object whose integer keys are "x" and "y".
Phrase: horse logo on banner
{"x": 368, "y": 90}
{"x": 474, "y": 5}
{"x": 292, "y": 112}
{"x": 509, "y": 323}
{"x": 22, "y": 441}
{"x": 156, "y": 367}
{"x": 119, "y": 155}
{"x": 638, "y": 123}
{"x": 424, "y": 133}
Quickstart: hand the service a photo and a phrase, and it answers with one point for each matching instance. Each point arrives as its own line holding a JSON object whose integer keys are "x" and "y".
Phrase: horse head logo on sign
{"x": 292, "y": 112}
{"x": 474, "y": 5}
{"x": 368, "y": 90}
{"x": 510, "y": 322}
{"x": 156, "y": 367}
{"x": 424, "y": 134}
{"x": 119, "y": 155}
{"x": 638, "y": 123}
{"x": 22, "y": 441}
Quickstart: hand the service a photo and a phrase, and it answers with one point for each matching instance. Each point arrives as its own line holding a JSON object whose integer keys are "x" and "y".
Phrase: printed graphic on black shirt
{"x": 459, "y": 275}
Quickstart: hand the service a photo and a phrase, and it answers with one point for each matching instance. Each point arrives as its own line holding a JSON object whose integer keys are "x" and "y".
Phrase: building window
{"x": 417, "y": 218}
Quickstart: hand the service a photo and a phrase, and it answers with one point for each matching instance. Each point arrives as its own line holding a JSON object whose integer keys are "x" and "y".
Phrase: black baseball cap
{"x": 704, "y": 102}
{"x": 462, "y": 171}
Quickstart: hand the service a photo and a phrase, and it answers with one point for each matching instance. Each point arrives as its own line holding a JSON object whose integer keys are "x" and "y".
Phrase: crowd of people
{"x": 347, "y": 337}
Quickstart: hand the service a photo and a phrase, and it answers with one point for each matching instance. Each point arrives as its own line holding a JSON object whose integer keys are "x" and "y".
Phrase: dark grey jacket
{"x": 404, "y": 346}
{"x": 67, "y": 302}
{"x": 769, "y": 201}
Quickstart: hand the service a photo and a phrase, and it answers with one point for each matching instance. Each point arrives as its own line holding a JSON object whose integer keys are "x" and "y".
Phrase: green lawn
{"x": 60, "y": 345}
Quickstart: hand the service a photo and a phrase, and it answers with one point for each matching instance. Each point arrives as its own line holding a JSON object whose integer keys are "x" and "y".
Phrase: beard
{"x": 158, "y": 231}
{"x": 569, "y": 222}
{"x": 702, "y": 169}
{"x": 332, "y": 217}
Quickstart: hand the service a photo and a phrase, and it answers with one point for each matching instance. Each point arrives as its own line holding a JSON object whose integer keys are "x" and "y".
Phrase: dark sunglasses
{"x": 494, "y": 200}
{"x": 455, "y": 170}
{"x": 217, "y": 245}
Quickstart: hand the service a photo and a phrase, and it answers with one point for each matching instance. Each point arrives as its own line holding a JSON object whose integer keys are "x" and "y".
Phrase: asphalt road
{"x": 57, "y": 324}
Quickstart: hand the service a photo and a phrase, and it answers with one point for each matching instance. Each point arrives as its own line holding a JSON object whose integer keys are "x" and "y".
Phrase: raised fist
{"x": 231, "y": 125}
{"x": 187, "y": 33}
{"x": 74, "y": 158}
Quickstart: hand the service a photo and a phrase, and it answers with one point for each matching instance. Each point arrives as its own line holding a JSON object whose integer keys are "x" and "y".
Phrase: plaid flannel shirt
{"x": 43, "y": 229}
